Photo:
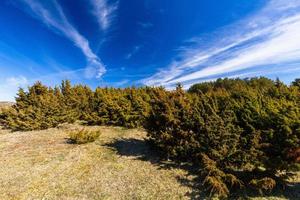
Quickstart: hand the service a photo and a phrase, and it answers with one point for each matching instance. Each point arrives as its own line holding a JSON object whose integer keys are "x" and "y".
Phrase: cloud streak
{"x": 17, "y": 81}
{"x": 269, "y": 37}
{"x": 103, "y": 12}
{"x": 133, "y": 52}
{"x": 53, "y": 16}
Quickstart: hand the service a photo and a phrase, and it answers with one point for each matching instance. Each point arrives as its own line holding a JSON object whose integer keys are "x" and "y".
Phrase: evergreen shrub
{"x": 83, "y": 136}
{"x": 240, "y": 133}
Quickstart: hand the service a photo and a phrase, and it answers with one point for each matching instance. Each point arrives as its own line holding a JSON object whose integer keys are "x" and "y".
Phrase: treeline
{"x": 240, "y": 133}
{"x": 43, "y": 107}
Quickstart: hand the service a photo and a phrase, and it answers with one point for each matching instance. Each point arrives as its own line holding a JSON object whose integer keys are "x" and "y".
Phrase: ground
{"x": 5, "y": 104}
{"x": 119, "y": 165}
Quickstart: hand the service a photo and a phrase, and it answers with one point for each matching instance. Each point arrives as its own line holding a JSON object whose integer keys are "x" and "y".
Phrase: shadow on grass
{"x": 69, "y": 141}
{"x": 143, "y": 150}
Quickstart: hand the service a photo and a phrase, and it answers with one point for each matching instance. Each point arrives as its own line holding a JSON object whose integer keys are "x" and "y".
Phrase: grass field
{"x": 4, "y": 105}
{"x": 119, "y": 165}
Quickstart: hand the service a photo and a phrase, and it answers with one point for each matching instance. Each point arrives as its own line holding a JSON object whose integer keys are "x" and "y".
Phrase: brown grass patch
{"x": 41, "y": 165}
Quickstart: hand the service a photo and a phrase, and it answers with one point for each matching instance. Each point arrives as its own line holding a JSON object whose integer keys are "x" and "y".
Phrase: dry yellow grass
{"x": 41, "y": 165}
{"x": 5, "y": 105}
{"x": 118, "y": 165}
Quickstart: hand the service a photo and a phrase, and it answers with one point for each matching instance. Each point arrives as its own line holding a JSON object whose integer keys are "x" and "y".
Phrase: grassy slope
{"x": 36, "y": 165}
{"x": 119, "y": 165}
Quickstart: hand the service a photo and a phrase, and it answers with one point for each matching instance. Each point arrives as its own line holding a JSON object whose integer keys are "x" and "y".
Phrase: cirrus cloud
{"x": 52, "y": 15}
{"x": 271, "y": 36}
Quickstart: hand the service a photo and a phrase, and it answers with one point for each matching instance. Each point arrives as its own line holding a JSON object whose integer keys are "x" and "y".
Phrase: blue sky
{"x": 146, "y": 42}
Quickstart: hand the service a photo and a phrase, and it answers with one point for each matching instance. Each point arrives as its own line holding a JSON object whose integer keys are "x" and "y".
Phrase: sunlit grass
{"x": 42, "y": 165}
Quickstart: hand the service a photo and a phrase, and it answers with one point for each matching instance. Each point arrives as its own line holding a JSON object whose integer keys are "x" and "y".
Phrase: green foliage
{"x": 122, "y": 107}
{"x": 2, "y": 117}
{"x": 230, "y": 126}
{"x": 83, "y": 136}
{"x": 39, "y": 108}
{"x": 296, "y": 83}
{"x": 263, "y": 185}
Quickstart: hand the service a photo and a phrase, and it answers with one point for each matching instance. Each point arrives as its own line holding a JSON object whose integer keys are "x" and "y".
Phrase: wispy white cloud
{"x": 121, "y": 83}
{"x": 17, "y": 81}
{"x": 145, "y": 25}
{"x": 53, "y": 16}
{"x": 104, "y": 12}
{"x": 273, "y": 72}
{"x": 271, "y": 36}
{"x": 133, "y": 52}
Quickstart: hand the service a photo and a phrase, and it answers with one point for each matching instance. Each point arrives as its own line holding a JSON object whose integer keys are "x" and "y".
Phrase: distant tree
{"x": 296, "y": 83}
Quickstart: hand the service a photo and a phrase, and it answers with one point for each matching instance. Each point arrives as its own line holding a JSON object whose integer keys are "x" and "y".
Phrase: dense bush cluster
{"x": 229, "y": 127}
{"x": 43, "y": 107}
{"x": 40, "y": 108}
{"x": 240, "y": 133}
{"x": 122, "y": 107}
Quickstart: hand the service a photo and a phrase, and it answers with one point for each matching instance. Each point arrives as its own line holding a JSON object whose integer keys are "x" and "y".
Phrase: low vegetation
{"x": 238, "y": 133}
{"x": 83, "y": 136}
{"x": 4, "y": 106}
